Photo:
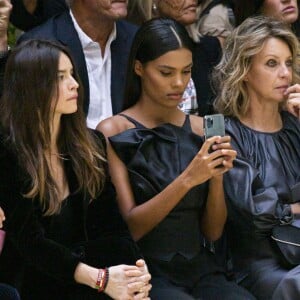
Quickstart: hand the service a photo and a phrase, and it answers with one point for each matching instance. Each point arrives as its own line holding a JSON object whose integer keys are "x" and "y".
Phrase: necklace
{"x": 60, "y": 155}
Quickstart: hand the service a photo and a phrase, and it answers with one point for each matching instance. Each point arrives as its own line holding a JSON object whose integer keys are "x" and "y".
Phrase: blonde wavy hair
{"x": 240, "y": 47}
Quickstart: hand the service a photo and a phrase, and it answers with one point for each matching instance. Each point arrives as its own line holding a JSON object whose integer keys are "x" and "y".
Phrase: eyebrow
{"x": 274, "y": 55}
{"x": 171, "y": 68}
{"x": 65, "y": 70}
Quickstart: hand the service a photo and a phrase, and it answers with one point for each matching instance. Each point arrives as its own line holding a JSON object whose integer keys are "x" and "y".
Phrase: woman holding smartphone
{"x": 169, "y": 187}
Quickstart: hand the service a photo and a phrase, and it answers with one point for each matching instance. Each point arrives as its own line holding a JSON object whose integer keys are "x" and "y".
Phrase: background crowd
{"x": 108, "y": 187}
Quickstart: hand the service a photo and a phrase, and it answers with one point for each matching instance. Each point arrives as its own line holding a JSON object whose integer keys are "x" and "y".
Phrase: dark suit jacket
{"x": 22, "y": 19}
{"x": 61, "y": 28}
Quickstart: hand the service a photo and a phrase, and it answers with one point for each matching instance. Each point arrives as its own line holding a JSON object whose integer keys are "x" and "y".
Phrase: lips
{"x": 190, "y": 8}
{"x": 289, "y": 9}
{"x": 175, "y": 96}
{"x": 73, "y": 98}
{"x": 282, "y": 87}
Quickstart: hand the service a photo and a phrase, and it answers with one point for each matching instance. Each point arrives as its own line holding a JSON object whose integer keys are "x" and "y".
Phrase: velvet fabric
{"x": 38, "y": 259}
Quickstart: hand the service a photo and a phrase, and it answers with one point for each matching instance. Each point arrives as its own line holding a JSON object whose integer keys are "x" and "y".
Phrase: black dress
{"x": 41, "y": 253}
{"x": 259, "y": 192}
{"x": 180, "y": 264}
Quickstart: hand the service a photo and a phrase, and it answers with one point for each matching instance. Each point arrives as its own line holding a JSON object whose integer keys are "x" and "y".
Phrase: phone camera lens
{"x": 209, "y": 122}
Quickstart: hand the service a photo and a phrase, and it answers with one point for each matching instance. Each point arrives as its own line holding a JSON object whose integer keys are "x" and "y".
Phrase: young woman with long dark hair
{"x": 64, "y": 236}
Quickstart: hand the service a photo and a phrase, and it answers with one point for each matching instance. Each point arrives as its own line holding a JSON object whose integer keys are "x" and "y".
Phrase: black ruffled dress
{"x": 180, "y": 264}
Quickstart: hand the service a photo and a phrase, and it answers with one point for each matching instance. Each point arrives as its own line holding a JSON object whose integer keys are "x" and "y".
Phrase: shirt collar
{"x": 85, "y": 39}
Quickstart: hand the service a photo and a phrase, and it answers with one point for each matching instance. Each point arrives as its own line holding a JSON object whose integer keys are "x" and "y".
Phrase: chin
{"x": 187, "y": 20}
{"x": 72, "y": 111}
{"x": 119, "y": 10}
{"x": 291, "y": 19}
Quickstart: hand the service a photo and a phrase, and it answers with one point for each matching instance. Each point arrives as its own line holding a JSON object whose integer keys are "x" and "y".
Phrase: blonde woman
{"x": 257, "y": 74}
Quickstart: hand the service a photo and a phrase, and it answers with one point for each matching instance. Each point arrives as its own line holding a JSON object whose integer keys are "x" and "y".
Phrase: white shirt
{"x": 99, "y": 74}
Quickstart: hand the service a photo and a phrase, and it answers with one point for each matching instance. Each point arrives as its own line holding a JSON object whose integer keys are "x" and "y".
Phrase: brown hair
{"x": 30, "y": 84}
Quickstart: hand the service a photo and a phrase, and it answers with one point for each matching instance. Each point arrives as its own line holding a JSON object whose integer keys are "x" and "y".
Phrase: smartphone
{"x": 214, "y": 125}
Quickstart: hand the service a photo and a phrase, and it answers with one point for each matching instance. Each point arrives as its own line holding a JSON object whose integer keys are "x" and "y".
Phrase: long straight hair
{"x": 153, "y": 39}
{"x": 30, "y": 85}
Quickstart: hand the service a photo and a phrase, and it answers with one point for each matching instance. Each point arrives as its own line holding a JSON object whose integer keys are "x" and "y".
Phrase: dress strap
{"x": 187, "y": 123}
{"x": 136, "y": 123}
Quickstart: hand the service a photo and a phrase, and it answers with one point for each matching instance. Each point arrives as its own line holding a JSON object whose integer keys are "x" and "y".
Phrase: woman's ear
{"x": 138, "y": 68}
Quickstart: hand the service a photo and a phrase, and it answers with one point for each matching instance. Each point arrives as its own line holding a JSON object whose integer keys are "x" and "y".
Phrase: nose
{"x": 284, "y": 71}
{"x": 73, "y": 83}
{"x": 178, "y": 81}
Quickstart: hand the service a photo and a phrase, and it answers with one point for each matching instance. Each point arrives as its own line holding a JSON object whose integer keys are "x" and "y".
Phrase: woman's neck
{"x": 265, "y": 118}
{"x": 152, "y": 116}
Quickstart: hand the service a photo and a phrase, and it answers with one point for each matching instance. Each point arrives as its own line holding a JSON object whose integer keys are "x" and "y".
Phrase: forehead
{"x": 64, "y": 61}
{"x": 178, "y": 58}
{"x": 276, "y": 47}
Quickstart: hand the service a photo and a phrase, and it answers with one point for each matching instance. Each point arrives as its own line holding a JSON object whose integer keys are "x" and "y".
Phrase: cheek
{"x": 271, "y": 8}
{"x": 155, "y": 84}
{"x": 187, "y": 80}
{"x": 170, "y": 8}
{"x": 102, "y": 4}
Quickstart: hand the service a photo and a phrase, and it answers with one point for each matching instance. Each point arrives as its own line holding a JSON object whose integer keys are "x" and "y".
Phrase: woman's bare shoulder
{"x": 197, "y": 124}
{"x": 114, "y": 125}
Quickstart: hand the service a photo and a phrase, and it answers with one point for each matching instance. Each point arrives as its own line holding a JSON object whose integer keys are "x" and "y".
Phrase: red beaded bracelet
{"x": 106, "y": 278}
{"x": 99, "y": 281}
{"x": 102, "y": 279}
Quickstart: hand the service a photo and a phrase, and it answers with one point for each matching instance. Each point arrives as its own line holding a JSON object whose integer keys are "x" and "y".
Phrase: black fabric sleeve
{"x": 110, "y": 242}
{"x": 24, "y": 230}
{"x": 254, "y": 202}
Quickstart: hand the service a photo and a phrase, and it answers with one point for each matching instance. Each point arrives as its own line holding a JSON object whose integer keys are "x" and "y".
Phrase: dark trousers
{"x": 184, "y": 279}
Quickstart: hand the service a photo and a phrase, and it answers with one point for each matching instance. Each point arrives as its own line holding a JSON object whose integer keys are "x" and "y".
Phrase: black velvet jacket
{"x": 42, "y": 268}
